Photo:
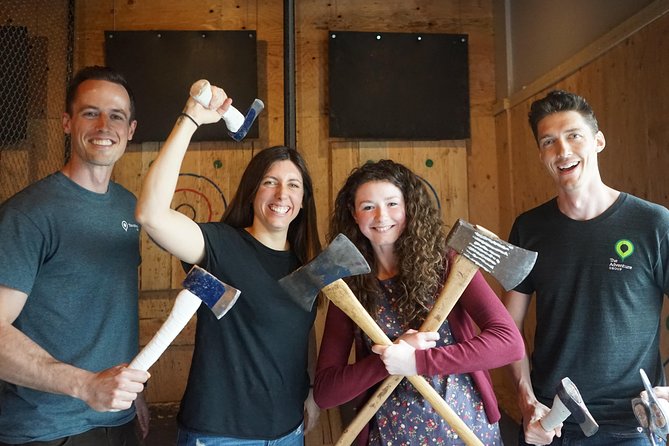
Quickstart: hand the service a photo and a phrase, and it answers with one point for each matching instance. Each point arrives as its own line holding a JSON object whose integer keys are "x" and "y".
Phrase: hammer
{"x": 199, "y": 286}
{"x": 238, "y": 125}
{"x": 476, "y": 248}
{"x": 567, "y": 402}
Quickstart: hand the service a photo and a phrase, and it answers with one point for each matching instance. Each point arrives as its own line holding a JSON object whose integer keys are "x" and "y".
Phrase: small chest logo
{"x": 126, "y": 226}
{"x": 624, "y": 248}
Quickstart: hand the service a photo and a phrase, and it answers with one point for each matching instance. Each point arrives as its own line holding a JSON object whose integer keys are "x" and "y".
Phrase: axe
{"x": 238, "y": 125}
{"x": 341, "y": 295}
{"x": 567, "y": 402}
{"x": 199, "y": 286}
{"x": 340, "y": 259}
{"x": 476, "y": 248}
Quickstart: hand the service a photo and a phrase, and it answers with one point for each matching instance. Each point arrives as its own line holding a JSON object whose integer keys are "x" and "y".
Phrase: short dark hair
{"x": 303, "y": 231}
{"x": 561, "y": 101}
{"x": 98, "y": 73}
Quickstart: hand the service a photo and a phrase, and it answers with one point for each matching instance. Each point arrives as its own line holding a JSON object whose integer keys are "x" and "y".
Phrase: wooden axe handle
{"x": 461, "y": 272}
{"x": 342, "y": 296}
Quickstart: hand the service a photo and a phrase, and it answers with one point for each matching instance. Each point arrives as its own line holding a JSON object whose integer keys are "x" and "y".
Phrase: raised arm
{"x": 172, "y": 230}
{"x": 26, "y": 364}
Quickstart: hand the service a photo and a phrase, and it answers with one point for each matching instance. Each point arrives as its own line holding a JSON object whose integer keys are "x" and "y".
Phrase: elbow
{"x": 517, "y": 347}
{"x": 145, "y": 218}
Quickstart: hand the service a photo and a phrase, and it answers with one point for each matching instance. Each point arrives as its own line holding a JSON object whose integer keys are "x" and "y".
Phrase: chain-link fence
{"x": 36, "y": 48}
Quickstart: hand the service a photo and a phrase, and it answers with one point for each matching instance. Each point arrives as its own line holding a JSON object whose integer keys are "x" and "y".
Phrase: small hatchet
{"x": 199, "y": 286}
{"x": 340, "y": 259}
{"x": 567, "y": 402}
{"x": 238, "y": 125}
{"x": 476, "y": 248}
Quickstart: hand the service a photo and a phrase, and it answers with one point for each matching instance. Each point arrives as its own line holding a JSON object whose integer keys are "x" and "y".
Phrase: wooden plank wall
{"x": 462, "y": 173}
{"x": 627, "y": 88}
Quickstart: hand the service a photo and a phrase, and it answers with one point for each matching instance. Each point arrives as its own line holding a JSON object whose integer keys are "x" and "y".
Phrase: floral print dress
{"x": 406, "y": 418}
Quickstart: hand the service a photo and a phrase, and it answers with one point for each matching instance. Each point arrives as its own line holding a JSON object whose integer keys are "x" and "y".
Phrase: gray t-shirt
{"x": 599, "y": 287}
{"x": 75, "y": 253}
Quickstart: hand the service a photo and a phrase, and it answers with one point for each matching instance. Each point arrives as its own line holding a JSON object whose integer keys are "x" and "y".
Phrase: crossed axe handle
{"x": 342, "y": 296}
{"x": 460, "y": 275}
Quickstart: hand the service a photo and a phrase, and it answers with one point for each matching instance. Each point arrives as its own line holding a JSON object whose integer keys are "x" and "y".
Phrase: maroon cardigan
{"x": 499, "y": 343}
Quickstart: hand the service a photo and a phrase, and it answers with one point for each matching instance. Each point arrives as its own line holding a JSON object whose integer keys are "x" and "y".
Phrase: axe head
{"x": 340, "y": 259}
{"x": 256, "y": 107}
{"x": 507, "y": 263}
{"x": 217, "y": 295}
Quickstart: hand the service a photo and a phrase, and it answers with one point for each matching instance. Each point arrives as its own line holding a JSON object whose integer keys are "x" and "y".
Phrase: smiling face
{"x": 99, "y": 123}
{"x": 568, "y": 147}
{"x": 278, "y": 199}
{"x": 380, "y": 212}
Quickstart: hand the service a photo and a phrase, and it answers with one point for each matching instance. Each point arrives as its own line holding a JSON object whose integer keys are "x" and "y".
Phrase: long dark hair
{"x": 421, "y": 248}
{"x": 303, "y": 231}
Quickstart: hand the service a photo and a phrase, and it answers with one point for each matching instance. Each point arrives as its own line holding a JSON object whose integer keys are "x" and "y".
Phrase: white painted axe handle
{"x": 201, "y": 92}
{"x": 461, "y": 272}
{"x": 185, "y": 306}
{"x": 556, "y": 416}
{"x": 342, "y": 296}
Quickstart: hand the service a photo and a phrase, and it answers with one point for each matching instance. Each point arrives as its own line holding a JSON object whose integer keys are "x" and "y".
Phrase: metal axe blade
{"x": 238, "y": 125}
{"x": 256, "y": 107}
{"x": 508, "y": 263}
{"x": 217, "y": 295}
{"x": 340, "y": 259}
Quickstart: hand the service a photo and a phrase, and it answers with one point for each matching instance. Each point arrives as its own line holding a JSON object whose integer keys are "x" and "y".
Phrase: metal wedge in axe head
{"x": 199, "y": 286}
{"x": 238, "y": 125}
{"x": 340, "y": 259}
{"x": 475, "y": 247}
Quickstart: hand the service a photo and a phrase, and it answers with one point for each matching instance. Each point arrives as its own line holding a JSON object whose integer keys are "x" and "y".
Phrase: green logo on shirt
{"x": 624, "y": 248}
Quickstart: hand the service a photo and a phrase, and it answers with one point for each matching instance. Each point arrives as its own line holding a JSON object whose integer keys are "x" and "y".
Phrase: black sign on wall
{"x": 398, "y": 86}
{"x": 160, "y": 67}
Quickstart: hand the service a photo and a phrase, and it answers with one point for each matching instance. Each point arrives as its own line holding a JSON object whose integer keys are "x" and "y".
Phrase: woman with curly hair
{"x": 384, "y": 208}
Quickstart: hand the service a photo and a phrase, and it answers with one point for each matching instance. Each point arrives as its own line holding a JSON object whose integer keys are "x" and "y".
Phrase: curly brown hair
{"x": 421, "y": 248}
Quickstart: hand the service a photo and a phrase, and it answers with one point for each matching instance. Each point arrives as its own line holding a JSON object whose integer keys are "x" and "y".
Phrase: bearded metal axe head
{"x": 340, "y": 259}
{"x": 507, "y": 263}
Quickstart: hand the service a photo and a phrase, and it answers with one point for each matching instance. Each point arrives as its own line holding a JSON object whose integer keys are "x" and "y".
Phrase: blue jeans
{"x": 190, "y": 438}
{"x": 601, "y": 438}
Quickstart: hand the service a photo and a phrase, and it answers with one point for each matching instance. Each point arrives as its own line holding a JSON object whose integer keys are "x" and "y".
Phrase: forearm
{"x": 337, "y": 381}
{"x": 519, "y": 373}
{"x": 24, "y": 363}
{"x": 337, "y": 385}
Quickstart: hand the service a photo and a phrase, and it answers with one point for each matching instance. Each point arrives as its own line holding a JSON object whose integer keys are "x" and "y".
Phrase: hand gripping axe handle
{"x": 238, "y": 125}
{"x": 462, "y": 270}
{"x": 567, "y": 402}
{"x": 342, "y": 296}
{"x": 199, "y": 286}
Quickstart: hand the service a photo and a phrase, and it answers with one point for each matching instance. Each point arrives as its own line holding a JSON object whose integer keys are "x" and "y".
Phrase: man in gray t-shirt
{"x": 599, "y": 281}
{"x": 69, "y": 252}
